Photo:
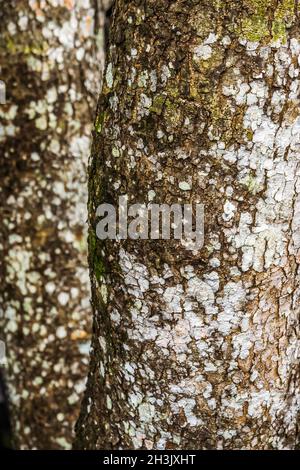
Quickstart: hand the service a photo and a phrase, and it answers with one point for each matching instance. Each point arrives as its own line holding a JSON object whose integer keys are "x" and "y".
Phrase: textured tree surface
{"x": 198, "y": 350}
{"x": 50, "y": 62}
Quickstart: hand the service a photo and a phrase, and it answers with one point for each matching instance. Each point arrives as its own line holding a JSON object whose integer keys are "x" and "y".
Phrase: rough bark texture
{"x": 51, "y": 56}
{"x": 198, "y": 350}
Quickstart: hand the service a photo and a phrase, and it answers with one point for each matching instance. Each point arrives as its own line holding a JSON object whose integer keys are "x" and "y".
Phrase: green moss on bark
{"x": 258, "y": 24}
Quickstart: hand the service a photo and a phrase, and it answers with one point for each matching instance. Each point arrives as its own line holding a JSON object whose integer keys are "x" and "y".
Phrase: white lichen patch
{"x": 109, "y": 75}
{"x": 184, "y": 186}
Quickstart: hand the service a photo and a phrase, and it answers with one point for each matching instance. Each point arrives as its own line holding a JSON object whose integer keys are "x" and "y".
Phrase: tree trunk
{"x": 50, "y": 63}
{"x": 198, "y": 350}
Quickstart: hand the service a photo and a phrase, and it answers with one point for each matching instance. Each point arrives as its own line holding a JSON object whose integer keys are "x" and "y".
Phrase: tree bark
{"x": 198, "y": 350}
{"x": 51, "y": 56}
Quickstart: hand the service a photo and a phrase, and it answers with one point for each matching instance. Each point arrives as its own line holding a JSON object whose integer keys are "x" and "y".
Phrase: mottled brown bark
{"x": 198, "y": 350}
{"x": 50, "y": 54}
